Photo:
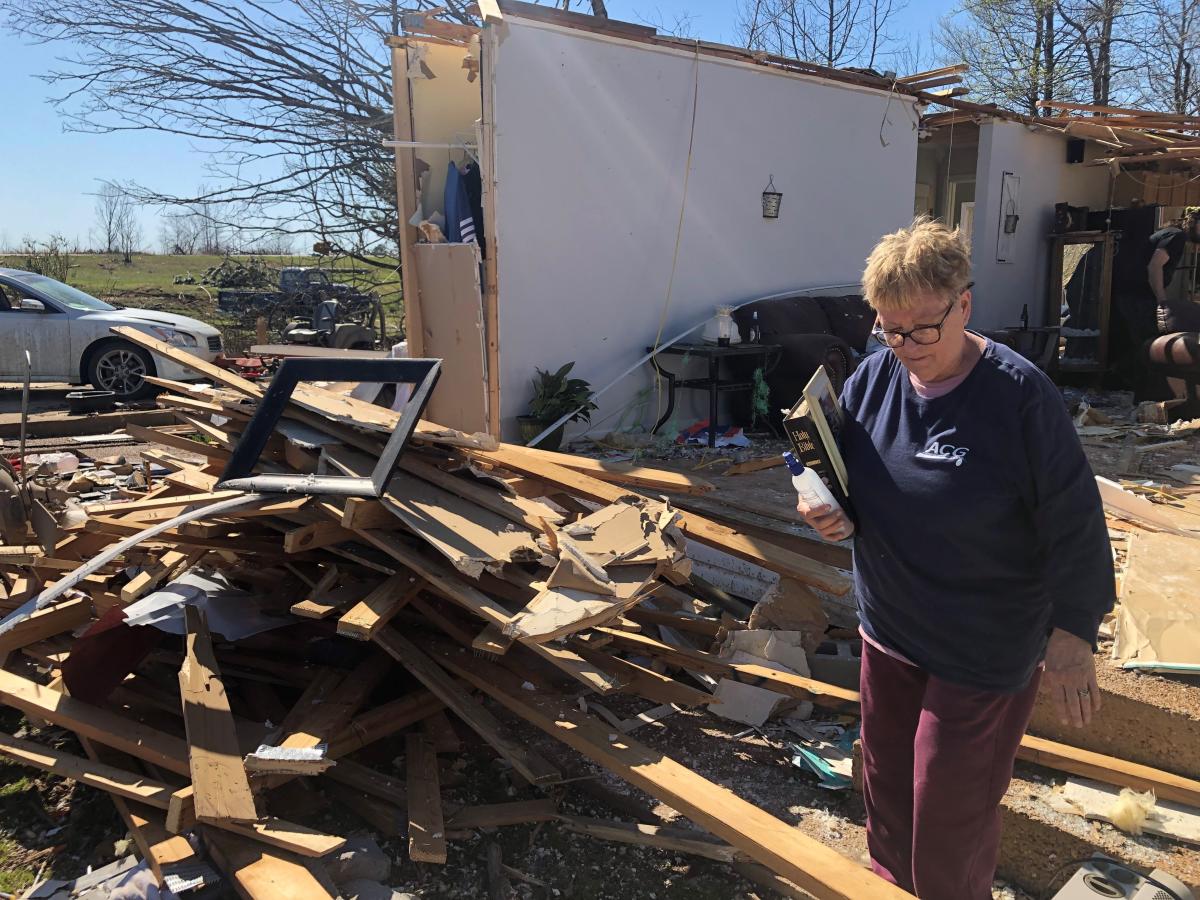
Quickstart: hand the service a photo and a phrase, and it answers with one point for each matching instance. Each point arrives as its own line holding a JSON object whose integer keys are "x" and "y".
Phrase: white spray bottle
{"x": 811, "y": 490}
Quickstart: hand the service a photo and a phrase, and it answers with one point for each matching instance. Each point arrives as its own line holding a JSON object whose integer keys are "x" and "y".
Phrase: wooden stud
{"x": 375, "y": 610}
{"x": 214, "y": 754}
{"x": 426, "y": 832}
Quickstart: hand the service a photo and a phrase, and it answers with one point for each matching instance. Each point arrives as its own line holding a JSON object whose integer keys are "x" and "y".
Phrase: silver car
{"x": 67, "y": 335}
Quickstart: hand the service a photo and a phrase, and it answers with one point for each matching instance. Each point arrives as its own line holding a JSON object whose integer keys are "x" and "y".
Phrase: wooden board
{"x": 258, "y": 873}
{"x": 621, "y": 473}
{"x": 214, "y": 755}
{"x": 674, "y": 840}
{"x": 1094, "y": 800}
{"x": 375, "y": 610}
{"x": 122, "y": 783}
{"x": 426, "y": 833}
{"x": 766, "y": 839}
{"x": 101, "y": 725}
{"x": 1110, "y": 770}
{"x": 495, "y": 815}
{"x": 452, "y": 330}
{"x": 66, "y": 615}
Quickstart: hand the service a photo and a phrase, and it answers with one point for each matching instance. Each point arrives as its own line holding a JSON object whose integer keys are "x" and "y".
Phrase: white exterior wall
{"x": 591, "y": 149}
{"x": 1039, "y": 159}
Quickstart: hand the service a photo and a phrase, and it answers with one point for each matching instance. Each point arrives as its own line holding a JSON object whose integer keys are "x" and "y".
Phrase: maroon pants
{"x": 937, "y": 759}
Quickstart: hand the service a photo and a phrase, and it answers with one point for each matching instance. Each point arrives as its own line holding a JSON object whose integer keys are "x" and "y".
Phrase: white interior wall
{"x": 592, "y": 139}
{"x": 1039, "y": 159}
{"x": 445, "y": 106}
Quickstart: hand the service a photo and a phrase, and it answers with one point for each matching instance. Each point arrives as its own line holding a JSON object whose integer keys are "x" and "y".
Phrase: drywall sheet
{"x": 452, "y": 323}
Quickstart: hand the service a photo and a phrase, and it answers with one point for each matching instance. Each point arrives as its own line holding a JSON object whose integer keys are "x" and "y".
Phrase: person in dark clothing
{"x": 982, "y": 566}
{"x": 1141, "y": 286}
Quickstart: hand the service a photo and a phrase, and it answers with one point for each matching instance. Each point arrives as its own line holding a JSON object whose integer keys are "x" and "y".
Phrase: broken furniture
{"x": 753, "y": 355}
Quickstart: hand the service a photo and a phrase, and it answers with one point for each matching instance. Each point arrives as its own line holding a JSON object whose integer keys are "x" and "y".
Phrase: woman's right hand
{"x": 832, "y": 524}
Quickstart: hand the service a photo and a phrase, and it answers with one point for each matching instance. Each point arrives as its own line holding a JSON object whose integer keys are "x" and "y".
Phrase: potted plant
{"x": 554, "y": 396}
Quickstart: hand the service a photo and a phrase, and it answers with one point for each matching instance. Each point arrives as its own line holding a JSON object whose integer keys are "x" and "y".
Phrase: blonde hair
{"x": 925, "y": 256}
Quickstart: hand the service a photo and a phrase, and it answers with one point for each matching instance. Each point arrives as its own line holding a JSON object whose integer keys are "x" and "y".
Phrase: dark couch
{"x": 812, "y": 331}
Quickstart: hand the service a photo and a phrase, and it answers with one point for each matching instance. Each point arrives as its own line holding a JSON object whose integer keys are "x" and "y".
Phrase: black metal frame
{"x": 238, "y": 475}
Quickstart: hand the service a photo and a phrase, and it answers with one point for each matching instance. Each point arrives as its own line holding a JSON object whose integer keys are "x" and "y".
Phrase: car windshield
{"x": 63, "y": 293}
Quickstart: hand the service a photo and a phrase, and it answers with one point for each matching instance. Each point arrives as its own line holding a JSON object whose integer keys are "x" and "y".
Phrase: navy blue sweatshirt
{"x": 979, "y": 523}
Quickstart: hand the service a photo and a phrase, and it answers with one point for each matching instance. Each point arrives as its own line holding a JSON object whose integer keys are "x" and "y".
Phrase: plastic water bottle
{"x": 808, "y": 484}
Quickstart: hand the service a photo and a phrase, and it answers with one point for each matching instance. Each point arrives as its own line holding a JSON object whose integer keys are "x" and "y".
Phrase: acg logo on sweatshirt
{"x": 944, "y": 453}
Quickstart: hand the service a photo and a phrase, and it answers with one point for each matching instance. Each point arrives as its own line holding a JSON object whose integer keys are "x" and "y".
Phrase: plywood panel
{"x": 452, "y": 330}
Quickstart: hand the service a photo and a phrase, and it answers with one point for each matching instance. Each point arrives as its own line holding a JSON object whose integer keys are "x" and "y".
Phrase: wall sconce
{"x": 771, "y": 199}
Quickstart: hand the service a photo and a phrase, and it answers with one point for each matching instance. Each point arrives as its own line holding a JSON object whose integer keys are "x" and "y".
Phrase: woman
{"x": 981, "y": 565}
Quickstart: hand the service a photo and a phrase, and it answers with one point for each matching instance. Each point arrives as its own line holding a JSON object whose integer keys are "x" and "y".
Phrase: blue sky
{"x": 50, "y": 172}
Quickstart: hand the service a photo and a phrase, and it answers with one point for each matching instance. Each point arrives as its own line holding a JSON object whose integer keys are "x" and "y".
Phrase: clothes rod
{"x": 413, "y": 145}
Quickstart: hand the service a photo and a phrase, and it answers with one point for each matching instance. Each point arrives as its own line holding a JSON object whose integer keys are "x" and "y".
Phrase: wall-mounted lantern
{"x": 771, "y": 199}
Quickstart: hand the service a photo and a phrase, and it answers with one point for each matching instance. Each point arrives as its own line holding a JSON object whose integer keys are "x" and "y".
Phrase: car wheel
{"x": 122, "y": 368}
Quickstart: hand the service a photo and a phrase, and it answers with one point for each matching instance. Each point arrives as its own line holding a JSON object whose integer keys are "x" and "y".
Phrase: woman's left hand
{"x": 1070, "y": 678}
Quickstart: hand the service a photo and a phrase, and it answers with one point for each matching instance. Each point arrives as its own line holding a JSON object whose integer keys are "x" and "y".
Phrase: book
{"x": 814, "y": 426}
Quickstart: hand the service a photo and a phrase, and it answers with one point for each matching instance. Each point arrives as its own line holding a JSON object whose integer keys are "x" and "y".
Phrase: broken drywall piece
{"x": 778, "y": 650}
{"x": 572, "y": 573}
{"x": 1128, "y": 505}
{"x": 745, "y": 703}
{"x": 1158, "y": 618}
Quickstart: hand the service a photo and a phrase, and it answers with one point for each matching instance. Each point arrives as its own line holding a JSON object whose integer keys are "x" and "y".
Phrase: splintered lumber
{"x": 426, "y": 833}
{"x": 111, "y": 729}
{"x": 218, "y": 774}
{"x": 290, "y": 836}
{"x": 446, "y": 583}
{"x": 520, "y": 510}
{"x": 379, "y": 607}
{"x": 764, "y": 838}
{"x": 648, "y": 683}
{"x": 113, "y": 780}
{"x": 768, "y": 555}
{"x": 675, "y": 840}
{"x": 471, "y": 537}
{"x": 495, "y": 815}
{"x": 66, "y": 615}
{"x": 535, "y": 769}
{"x": 262, "y": 874}
{"x": 624, "y": 473}
{"x": 1110, "y": 770}
{"x": 322, "y": 601}
{"x": 825, "y": 695}
{"x": 144, "y": 582}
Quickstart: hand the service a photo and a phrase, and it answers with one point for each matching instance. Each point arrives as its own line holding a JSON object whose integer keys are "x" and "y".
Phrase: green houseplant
{"x": 555, "y": 394}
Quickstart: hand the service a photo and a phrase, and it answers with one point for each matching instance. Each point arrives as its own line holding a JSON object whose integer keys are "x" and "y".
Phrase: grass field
{"x": 149, "y": 283}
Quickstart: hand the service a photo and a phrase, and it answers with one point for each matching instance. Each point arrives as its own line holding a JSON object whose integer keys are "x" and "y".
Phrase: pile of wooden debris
{"x": 206, "y": 666}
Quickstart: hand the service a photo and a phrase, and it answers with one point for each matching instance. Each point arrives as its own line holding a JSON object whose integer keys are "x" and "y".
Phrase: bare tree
{"x": 835, "y": 33}
{"x": 1018, "y": 51}
{"x": 1167, "y": 73}
{"x": 1107, "y": 34}
{"x": 129, "y": 232}
{"x": 290, "y": 99}
{"x": 112, "y": 207}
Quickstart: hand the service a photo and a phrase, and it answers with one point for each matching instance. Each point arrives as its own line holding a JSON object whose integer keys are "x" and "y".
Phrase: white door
{"x": 45, "y": 333}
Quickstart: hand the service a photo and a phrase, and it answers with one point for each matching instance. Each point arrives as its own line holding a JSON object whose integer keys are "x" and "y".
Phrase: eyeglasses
{"x": 922, "y": 334}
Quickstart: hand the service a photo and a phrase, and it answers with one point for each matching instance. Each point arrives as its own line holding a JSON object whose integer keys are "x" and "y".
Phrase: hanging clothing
{"x": 474, "y": 185}
{"x": 460, "y": 223}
